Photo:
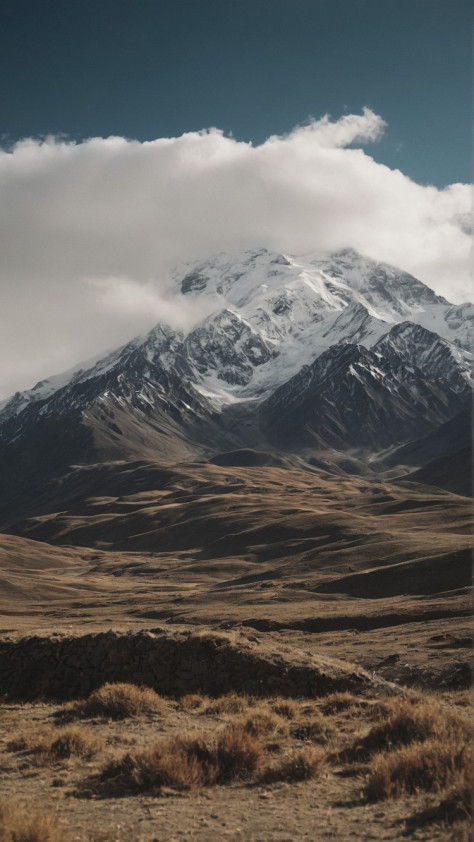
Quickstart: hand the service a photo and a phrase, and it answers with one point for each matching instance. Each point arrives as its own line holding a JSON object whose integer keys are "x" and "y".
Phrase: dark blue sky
{"x": 152, "y": 68}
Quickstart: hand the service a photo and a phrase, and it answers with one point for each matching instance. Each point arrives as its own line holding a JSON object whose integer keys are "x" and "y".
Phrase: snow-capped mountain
{"x": 405, "y": 385}
{"x": 272, "y": 315}
{"x": 332, "y": 350}
{"x": 280, "y": 312}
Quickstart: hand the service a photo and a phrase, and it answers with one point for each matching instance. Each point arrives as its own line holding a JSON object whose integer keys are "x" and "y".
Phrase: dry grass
{"x": 417, "y": 747}
{"x": 116, "y": 701}
{"x": 430, "y": 766}
{"x": 192, "y": 701}
{"x": 262, "y": 723}
{"x": 58, "y": 745}
{"x": 315, "y": 730}
{"x": 238, "y": 754}
{"x": 21, "y": 824}
{"x": 287, "y": 708}
{"x": 230, "y": 703}
{"x": 404, "y": 722}
{"x": 8, "y": 717}
{"x": 186, "y": 763}
{"x": 458, "y": 800}
{"x": 301, "y": 765}
{"x": 456, "y": 805}
{"x": 460, "y": 698}
{"x": 336, "y": 702}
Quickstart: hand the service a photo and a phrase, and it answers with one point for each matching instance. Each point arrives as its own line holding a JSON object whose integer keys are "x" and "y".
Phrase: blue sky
{"x": 153, "y": 68}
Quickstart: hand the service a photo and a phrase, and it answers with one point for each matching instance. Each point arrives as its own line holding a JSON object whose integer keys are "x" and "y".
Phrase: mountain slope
{"x": 272, "y": 314}
{"x": 452, "y": 472}
{"x": 450, "y": 437}
{"x": 361, "y": 398}
{"x": 300, "y": 353}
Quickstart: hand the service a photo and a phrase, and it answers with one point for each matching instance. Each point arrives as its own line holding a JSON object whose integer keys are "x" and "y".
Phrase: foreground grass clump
{"x": 430, "y": 766}
{"x": 116, "y": 701}
{"x": 287, "y": 708}
{"x": 336, "y": 702}
{"x": 315, "y": 728}
{"x": 230, "y": 703}
{"x": 58, "y": 745}
{"x": 262, "y": 723}
{"x": 17, "y": 824}
{"x": 457, "y": 803}
{"x": 404, "y": 722}
{"x": 187, "y": 763}
{"x": 302, "y": 765}
{"x": 192, "y": 702}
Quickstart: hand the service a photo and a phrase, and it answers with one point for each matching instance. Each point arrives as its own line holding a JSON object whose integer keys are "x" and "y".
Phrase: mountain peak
{"x": 271, "y": 314}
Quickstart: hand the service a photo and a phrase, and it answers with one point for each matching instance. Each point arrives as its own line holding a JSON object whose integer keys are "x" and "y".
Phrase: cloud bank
{"x": 90, "y": 231}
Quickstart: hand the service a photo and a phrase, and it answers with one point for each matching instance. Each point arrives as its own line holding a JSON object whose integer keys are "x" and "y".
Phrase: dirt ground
{"x": 330, "y": 807}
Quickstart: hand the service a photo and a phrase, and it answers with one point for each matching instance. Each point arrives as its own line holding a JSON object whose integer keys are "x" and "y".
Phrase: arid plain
{"x": 286, "y": 559}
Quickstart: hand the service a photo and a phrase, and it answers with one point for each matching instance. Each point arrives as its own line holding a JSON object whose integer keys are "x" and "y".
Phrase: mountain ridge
{"x": 304, "y": 295}
{"x": 300, "y": 354}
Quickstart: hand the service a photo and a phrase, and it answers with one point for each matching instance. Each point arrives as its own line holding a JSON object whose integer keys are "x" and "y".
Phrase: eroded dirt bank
{"x": 172, "y": 663}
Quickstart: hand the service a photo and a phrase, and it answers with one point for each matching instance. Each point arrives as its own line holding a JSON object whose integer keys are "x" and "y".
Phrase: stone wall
{"x": 172, "y": 663}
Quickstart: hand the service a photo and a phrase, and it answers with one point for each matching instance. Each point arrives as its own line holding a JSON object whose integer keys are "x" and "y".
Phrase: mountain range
{"x": 338, "y": 361}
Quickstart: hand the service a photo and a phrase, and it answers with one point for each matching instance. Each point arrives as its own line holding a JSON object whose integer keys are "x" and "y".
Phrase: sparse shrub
{"x": 58, "y": 745}
{"x": 428, "y": 766}
{"x": 116, "y": 701}
{"x": 18, "y": 824}
{"x": 301, "y": 765}
{"x": 187, "y": 763}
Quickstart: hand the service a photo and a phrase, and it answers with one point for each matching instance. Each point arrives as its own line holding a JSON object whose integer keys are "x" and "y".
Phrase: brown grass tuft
{"x": 75, "y": 741}
{"x": 58, "y": 745}
{"x": 116, "y": 701}
{"x": 21, "y": 824}
{"x": 428, "y": 766}
{"x": 336, "y": 702}
{"x": 456, "y": 805}
{"x": 315, "y": 729}
{"x": 301, "y": 765}
{"x": 238, "y": 754}
{"x": 406, "y": 722}
{"x": 187, "y": 763}
{"x": 230, "y": 703}
{"x": 192, "y": 701}
{"x": 458, "y": 800}
{"x": 288, "y": 708}
{"x": 262, "y": 723}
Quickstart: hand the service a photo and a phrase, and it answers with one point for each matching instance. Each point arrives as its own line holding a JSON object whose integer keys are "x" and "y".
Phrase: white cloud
{"x": 89, "y": 231}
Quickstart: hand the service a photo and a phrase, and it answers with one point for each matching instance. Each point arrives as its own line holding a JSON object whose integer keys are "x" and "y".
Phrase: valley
{"x": 311, "y": 557}
{"x": 281, "y": 499}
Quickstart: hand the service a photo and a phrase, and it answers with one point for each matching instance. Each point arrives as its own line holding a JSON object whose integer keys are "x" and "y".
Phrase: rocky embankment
{"x": 172, "y": 663}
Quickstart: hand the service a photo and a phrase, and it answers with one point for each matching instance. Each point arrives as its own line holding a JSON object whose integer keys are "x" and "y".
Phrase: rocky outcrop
{"x": 172, "y": 663}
